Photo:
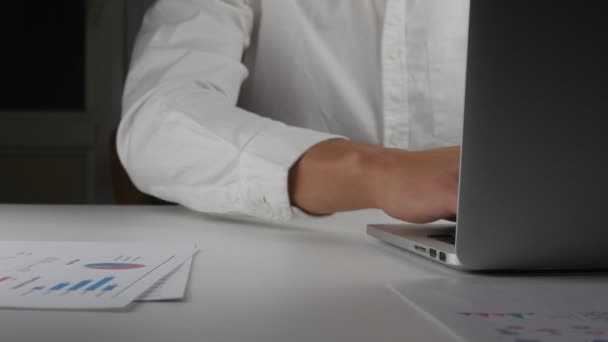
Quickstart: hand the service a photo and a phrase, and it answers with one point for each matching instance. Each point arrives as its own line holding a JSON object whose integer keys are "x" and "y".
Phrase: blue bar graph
{"x": 99, "y": 284}
{"x": 34, "y": 289}
{"x": 110, "y": 288}
{"x": 80, "y": 285}
{"x": 59, "y": 287}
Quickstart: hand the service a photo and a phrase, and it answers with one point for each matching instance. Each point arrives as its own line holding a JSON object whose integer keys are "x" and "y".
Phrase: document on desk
{"x": 170, "y": 287}
{"x": 83, "y": 275}
{"x": 532, "y": 309}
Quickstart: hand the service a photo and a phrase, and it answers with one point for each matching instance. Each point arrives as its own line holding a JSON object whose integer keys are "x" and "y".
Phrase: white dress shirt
{"x": 223, "y": 96}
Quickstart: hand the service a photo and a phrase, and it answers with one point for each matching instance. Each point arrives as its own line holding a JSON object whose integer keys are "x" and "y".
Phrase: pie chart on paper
{"x": 114, "y": 266}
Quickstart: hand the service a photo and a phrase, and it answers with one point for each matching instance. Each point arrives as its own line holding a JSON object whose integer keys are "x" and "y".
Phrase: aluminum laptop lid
{"x": 534, "y": 179}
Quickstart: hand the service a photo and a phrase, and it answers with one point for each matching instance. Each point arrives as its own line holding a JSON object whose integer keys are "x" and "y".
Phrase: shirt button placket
{"x": 394, "y": 75}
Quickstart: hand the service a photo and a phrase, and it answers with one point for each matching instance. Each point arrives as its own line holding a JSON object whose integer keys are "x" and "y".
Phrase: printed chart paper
{"x": 83, "y": 275}
{"x": 532, "y": 309}
{"x": 170, "y": 287}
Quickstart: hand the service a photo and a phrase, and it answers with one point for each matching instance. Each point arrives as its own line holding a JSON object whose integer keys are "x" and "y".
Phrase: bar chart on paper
{"x": 83, "y": 275}
{"x": 89, "y": 286}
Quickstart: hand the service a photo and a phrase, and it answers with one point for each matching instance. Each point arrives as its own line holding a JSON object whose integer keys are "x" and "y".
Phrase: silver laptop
{"x": 534, "y": 168}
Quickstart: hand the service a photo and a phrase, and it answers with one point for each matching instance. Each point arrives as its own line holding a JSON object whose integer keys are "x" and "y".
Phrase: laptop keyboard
{"x": 449, "y": 238}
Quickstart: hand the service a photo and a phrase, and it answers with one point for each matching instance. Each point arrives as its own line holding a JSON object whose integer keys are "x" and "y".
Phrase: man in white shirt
{"x": 256, "y": 106}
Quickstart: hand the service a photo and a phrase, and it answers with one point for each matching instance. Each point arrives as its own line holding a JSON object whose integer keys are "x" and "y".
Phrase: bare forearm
{"x": 332, "y": 176}
{"x": 341, "y": 175}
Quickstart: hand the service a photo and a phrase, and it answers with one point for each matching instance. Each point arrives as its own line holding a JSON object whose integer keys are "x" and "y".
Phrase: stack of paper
{"x": 90, "y": 276}
{"x": 515, "y": 309}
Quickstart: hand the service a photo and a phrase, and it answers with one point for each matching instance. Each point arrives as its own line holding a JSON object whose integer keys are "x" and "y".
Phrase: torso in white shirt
{"x": 387, "y": 72}
{"x": 390, "y": 72}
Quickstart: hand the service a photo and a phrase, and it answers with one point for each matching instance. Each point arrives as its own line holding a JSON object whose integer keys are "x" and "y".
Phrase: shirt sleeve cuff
{"x": 264, "y": 167}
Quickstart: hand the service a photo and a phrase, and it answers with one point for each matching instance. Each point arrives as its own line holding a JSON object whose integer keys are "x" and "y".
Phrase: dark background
{"x": 62, "y": 66}
{"x": 43, "y": 67}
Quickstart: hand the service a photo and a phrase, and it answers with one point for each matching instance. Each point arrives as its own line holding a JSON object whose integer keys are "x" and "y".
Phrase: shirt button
{"x": 268, "y": 209}
{"x": 395, "y": 140}
{"x": 265, "y": 207}
{"x": 392, "y": 52}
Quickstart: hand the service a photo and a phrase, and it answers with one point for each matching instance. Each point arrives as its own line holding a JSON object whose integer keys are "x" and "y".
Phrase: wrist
{"x": 365, "y": 165}
{"x": 369, "y": 165}
{"x": 382, "y": 169}
{"x": 333, "y": 176}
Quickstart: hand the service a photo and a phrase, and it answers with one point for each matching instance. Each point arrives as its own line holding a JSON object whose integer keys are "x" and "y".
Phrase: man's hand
{"x": 340, "y": 175}
{"x": 420, "y": 186}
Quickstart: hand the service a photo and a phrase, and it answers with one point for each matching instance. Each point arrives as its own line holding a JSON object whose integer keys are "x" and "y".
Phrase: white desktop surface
{"x": 312, "y": 279}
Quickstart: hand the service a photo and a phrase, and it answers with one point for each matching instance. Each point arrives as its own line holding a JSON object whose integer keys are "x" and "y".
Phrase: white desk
{"x": 318, "y": 279}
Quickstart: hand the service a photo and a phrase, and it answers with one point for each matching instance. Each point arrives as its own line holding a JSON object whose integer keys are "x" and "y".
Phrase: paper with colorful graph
{"x": 84, "y": 275}
{"x": 536, "y": 308}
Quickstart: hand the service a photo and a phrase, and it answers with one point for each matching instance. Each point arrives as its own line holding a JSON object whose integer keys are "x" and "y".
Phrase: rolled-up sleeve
{"x": 182, "y": 137}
